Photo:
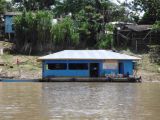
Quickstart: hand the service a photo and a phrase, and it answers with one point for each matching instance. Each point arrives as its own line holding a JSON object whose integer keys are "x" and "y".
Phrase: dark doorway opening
{"x": 94, "y": 69}
{"x": 121, "y": 68}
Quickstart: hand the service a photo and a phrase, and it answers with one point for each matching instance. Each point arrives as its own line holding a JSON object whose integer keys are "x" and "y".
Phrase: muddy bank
{"x": 148, "y": 76}
{"x": 29, "y": 68}
{"x": 36, "y": 75}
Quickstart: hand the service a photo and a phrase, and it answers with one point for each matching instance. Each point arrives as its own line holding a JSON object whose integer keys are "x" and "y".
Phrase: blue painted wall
{"x": 128, "y": 67}
{"x": 109, "y": 71}
{"x": 8, "y": 24}
{"x": 68, "y": 73}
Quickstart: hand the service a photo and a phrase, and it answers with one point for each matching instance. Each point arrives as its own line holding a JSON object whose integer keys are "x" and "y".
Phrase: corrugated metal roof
{"x": 139, "y": 27}
{"x": 88, "y": 55}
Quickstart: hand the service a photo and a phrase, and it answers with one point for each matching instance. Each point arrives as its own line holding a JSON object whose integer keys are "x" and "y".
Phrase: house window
{"x": 78, "y": 66}
{"x": 57, "y": 66}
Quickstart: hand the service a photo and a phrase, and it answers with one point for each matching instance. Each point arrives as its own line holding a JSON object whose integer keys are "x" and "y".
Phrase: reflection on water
{"x": 79, "y": 101}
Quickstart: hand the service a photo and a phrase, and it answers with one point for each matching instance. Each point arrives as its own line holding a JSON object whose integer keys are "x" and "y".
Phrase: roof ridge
{"x": 88, "y": 55}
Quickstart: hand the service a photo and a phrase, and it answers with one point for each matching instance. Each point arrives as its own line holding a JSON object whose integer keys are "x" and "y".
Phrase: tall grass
{"x": 64, "y": 34}
{"x": 35, "y": 32}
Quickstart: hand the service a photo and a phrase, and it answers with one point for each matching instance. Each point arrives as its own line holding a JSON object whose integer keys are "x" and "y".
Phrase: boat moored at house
{"x": 86, "y": 64}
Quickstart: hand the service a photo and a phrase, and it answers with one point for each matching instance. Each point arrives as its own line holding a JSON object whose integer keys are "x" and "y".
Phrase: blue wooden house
{"x": 9, "y": 24}
{"x": 86, "y": 63}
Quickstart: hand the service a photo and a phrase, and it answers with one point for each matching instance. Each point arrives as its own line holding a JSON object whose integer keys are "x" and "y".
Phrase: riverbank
{"x": 29, "y": 68}
{"x": 150, "y": 72}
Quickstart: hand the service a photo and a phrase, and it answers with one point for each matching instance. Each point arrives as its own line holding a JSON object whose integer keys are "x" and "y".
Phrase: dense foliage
{"x": 33, "y": 31}
{"x": 64, "y": 34}
{"x": 86, "y": 27}
{"x": 151, "y": 10}
{"x": 36, "y": 32}
{"x": 33, "y": 4}
{"x": 90, "y": 25}
{"x": 81, "y": 23}
{"x": 156, "y": 26}
{"x": 2, "y": 6}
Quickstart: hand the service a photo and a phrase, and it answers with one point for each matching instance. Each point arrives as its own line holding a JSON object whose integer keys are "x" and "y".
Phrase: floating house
{"x": 86, "y": 63}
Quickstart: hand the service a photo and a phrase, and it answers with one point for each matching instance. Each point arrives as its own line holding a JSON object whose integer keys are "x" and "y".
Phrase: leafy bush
{"x": 33, "y": 31}
{"x": 156, "y": 26}
{"x": 64, "y": 34}
{"x": 105, "y": 41}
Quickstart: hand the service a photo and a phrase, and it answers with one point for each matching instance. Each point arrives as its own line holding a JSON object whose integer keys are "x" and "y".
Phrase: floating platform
{"x": 102, "y": 79}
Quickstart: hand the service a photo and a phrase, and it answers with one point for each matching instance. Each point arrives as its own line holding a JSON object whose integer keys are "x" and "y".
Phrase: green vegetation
{"x": 106, "y": 40}
{"x": 81, "y": 23}
{"x": 64, "y": 34}
{"x": 151, "y": 10}
{"x": 156, "y": 26}
{"x": 2, "y": 6}
{"x": 86, "y": 28}
{"x": 90, "y": 26}
{"x": 33, "y": 31}
{"x": 33, "y": 4}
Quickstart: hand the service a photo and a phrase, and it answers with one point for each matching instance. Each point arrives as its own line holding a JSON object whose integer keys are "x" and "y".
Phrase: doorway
{"x": 121, "y": 68}
{"x": 94, "y": 69}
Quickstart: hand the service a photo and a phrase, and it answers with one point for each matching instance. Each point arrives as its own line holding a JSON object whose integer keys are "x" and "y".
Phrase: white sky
{"x": 115, "y": 1}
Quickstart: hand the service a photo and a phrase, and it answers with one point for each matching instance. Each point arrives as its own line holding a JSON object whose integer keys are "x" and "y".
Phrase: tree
{"x": 109, "y": 10}
{"x": 32, "y": 31}
{"x": 2, "y": 9}
{"x": 151, "y": 9}
{"x": 2, "y": 6}
{"x": 33, "y": 4}
{"x": 89, "y": 24}
{"x": 85, "y": 28}
{"x": 64, "y": 34}
{"x": 106, "y": 40}
{"x": 35, "y": 32}
{"x": 64, "y": 7}
{"x": 156, "y": 26}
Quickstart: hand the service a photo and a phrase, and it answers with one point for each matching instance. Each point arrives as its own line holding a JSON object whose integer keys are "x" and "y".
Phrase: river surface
{"x": 79, "y": 101}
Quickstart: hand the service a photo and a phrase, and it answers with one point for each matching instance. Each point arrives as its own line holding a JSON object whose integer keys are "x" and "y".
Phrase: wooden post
{"x": 132, "y": 43}
{"x": 150, "y": 40}
{"x": 117, "y": 37}
{"x": 9, "y": 36}
{"x": 136, "y": 46}
{"x": 19, "y": 71}
{"x": 43, "y": 69}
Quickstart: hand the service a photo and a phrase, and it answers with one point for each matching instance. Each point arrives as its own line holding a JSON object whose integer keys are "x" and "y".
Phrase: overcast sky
{"x": 115, "y": 1}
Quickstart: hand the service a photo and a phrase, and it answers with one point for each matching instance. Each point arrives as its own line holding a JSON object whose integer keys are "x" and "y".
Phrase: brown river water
{"x": 79, "y": 101}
